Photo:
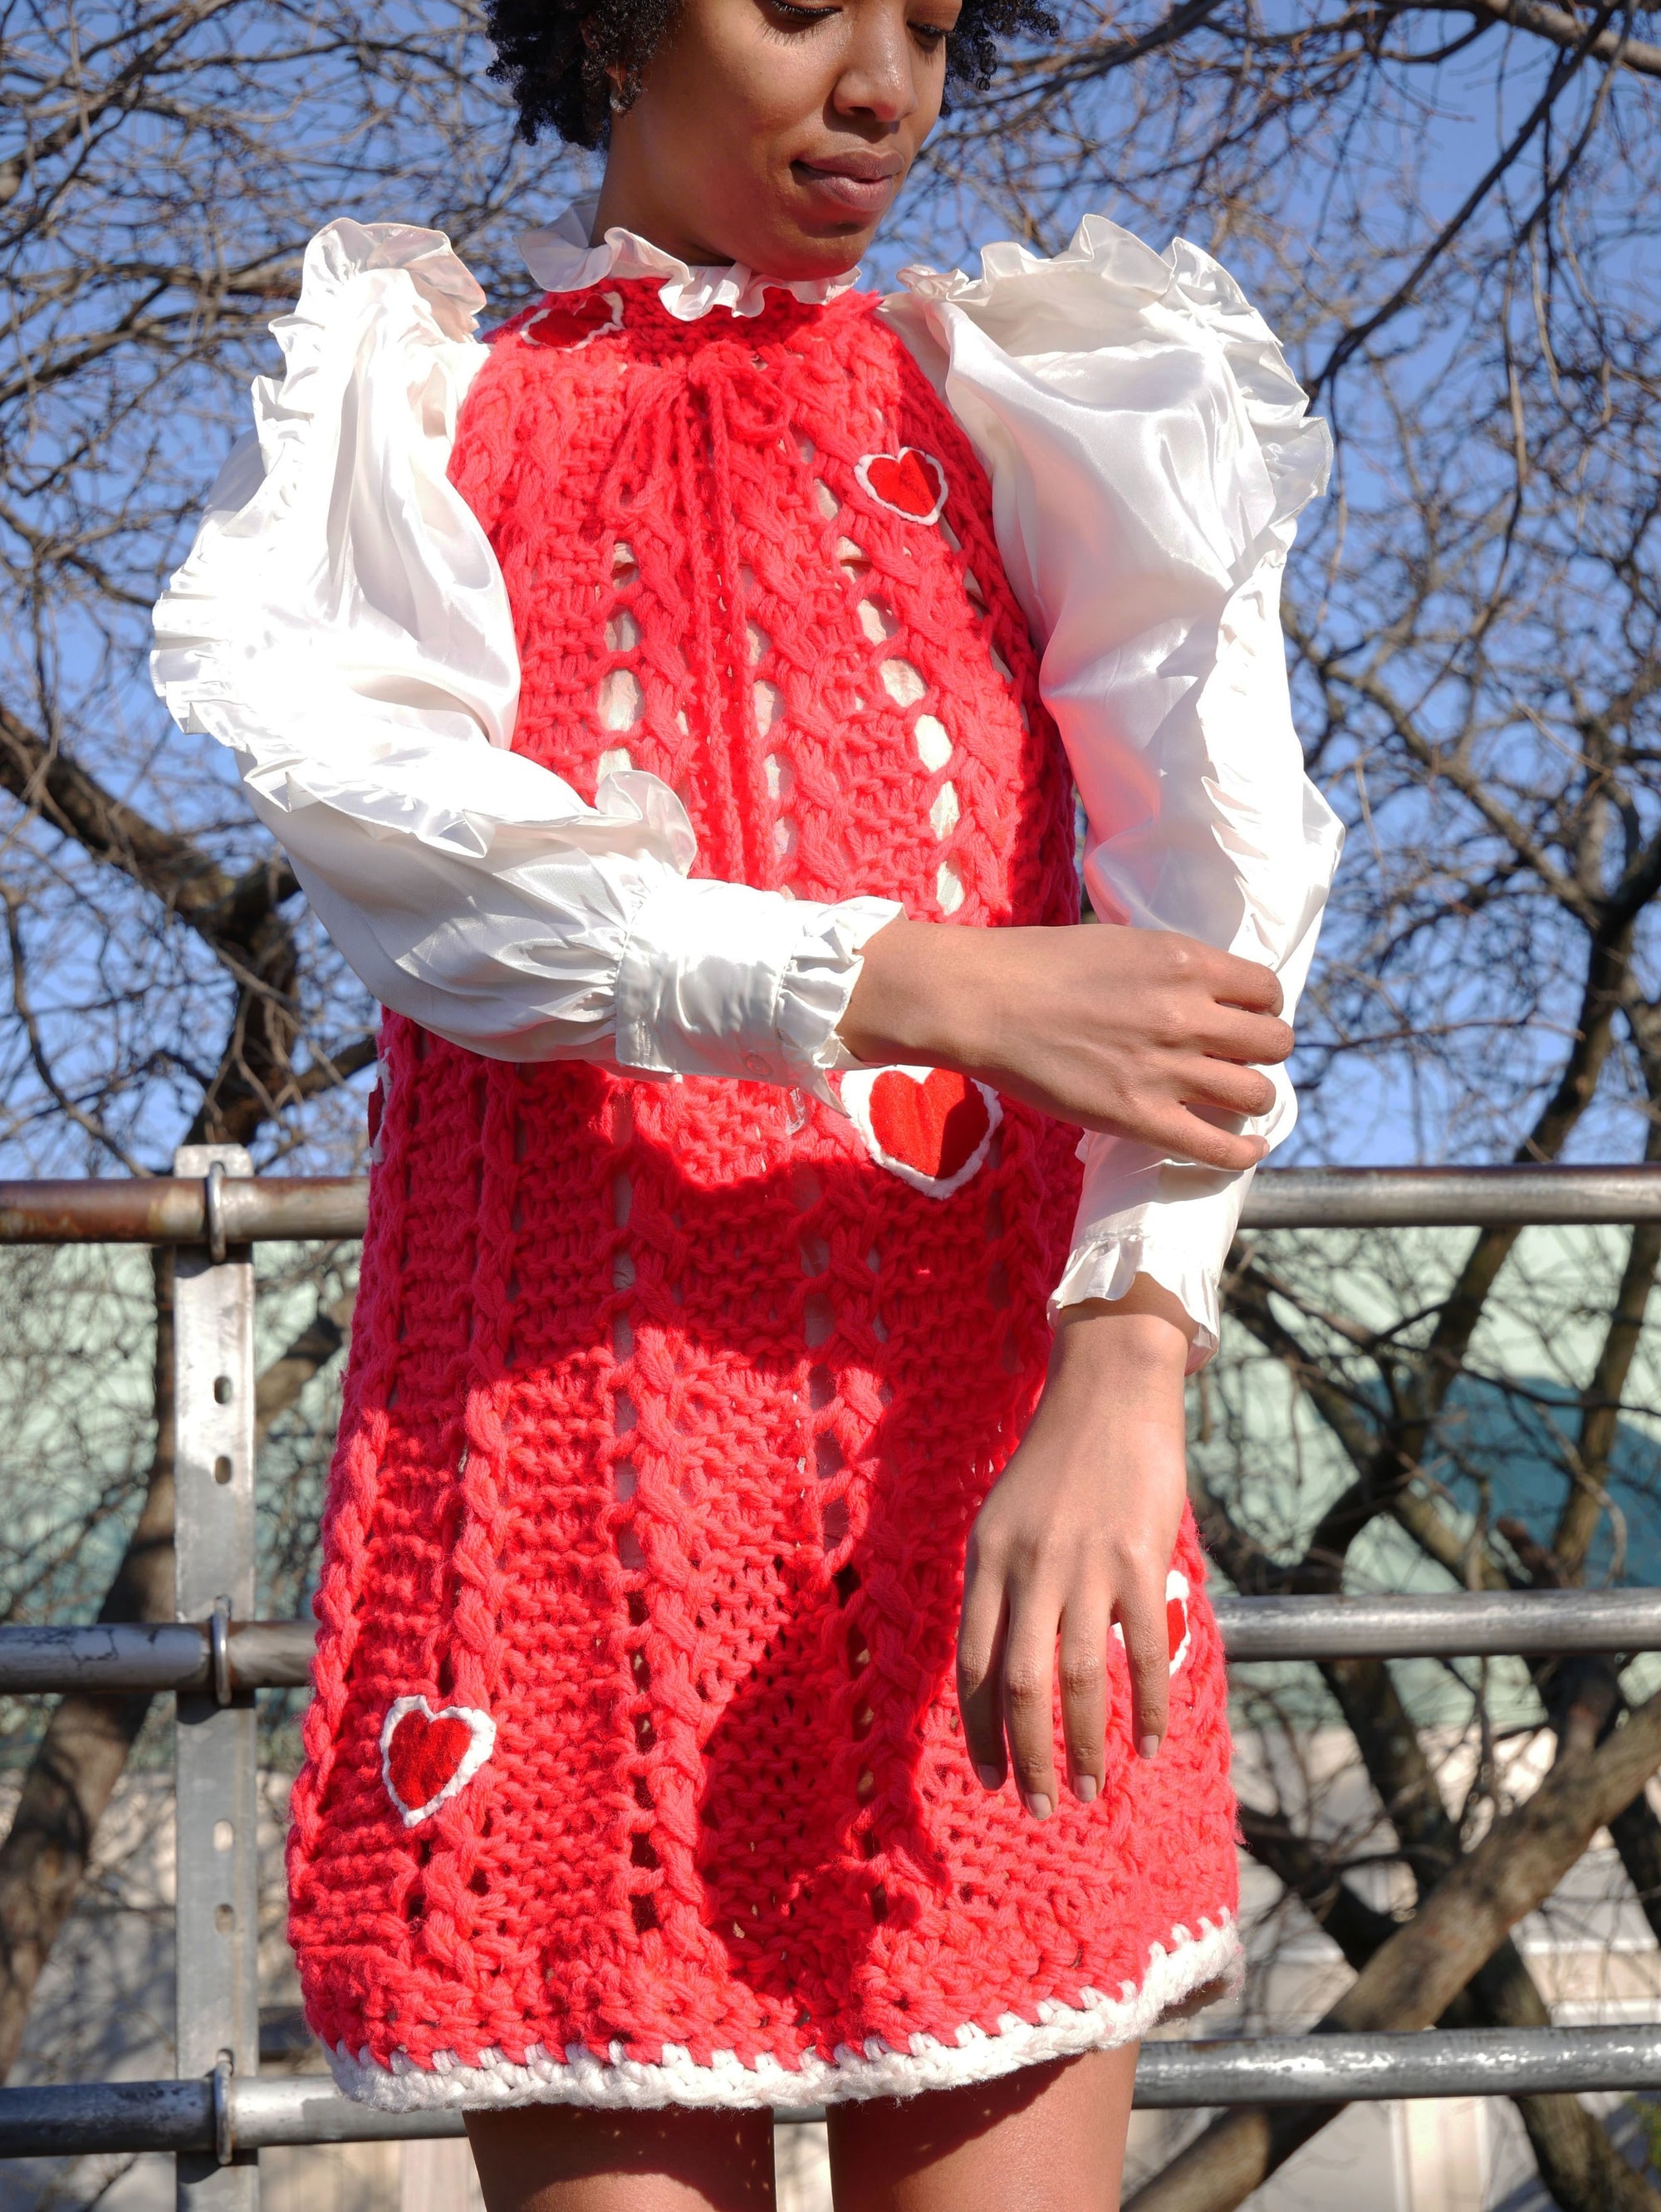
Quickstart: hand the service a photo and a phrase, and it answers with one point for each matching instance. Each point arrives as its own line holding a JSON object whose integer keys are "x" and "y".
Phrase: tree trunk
{"x": 80, "y": 1758}
{"x": 1412, "y": 1979}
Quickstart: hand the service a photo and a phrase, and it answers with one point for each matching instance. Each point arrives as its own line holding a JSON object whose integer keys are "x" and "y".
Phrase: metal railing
{"x": 219, "y": 2113}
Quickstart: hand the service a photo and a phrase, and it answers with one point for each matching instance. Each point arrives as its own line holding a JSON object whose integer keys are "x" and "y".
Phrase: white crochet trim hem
{"x": 582, "y": 2077}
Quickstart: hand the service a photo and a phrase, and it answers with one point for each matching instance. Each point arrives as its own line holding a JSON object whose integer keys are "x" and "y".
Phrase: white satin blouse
{"x": 341, "y": 625}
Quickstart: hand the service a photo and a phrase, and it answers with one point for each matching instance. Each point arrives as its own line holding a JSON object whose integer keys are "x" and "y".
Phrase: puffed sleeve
{"x": 1149, "y": 451}
{"x": 342, "y": 626}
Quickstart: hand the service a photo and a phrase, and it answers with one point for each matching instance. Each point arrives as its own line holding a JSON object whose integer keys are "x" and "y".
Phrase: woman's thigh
{"x": 1048, "y": 2136}
{"x": 562, "y": 2158}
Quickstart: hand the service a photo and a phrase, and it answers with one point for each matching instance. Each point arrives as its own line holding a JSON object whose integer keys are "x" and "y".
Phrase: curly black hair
{"x": 557, "y": 56}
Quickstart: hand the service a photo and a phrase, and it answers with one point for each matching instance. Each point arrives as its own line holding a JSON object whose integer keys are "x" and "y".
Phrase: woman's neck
{"x": 626, "y": 204}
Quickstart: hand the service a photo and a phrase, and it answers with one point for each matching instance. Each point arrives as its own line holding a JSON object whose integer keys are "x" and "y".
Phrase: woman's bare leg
{"x": 1048, "y": 2136}
{"x": 562, "y": 2158}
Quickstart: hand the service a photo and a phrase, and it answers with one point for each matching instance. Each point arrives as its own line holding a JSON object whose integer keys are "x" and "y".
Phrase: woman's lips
{"x": 863, "y": 194}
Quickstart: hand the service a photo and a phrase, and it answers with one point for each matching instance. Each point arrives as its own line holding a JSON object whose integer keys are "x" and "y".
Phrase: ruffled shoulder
{"x": 1108, "y": 292}
{"x": 341, "y": 605}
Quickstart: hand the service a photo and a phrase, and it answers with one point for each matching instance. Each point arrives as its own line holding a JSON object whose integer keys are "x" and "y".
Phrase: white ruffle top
{"x": 341, "y": 625}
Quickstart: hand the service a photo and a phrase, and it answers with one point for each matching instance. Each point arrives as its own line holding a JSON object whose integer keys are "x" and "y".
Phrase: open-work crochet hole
{"x": 901, "y": 682}
{"x": 623, "y": 632}
{"x": 822, "y": 1388}
{"x": 828, "y": 1457}
{"x": 948, "y": 888}
{"x": 934, "y": 746}
{"x": 622, "y": 703}
{"x": 645, "y": 1913}
{"x": 817, "y": 1319}
{"x": 833, "y": 1524}
{"x": 879, "y": 623}
{"x": 944, "y": 813}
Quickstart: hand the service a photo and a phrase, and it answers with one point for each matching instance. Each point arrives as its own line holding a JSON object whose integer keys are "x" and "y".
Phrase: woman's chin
{"x": 794, "y": 253}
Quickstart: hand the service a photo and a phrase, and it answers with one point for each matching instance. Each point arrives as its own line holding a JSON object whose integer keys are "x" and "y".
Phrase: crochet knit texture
{"x": 634, "y": 1772}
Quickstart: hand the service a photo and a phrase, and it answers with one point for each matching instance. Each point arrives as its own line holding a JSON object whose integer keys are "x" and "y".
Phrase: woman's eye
{"x": 798, "y": 19}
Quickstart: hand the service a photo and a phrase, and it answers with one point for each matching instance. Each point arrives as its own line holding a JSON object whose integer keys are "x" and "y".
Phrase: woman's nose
{"x": 878, "y": 77}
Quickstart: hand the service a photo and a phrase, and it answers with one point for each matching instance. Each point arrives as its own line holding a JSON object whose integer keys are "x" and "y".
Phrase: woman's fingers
{"x": 1029, "y": 1693}
{"x": 1184, "y": 1136}
{"x": 1236, "y": 982}
{"x": 1084, "y": 1668}
{"x": 1220, "y": 1082}
{"x": 1141, "y": 1610}
{"x": 1251, "y": 1040}
{"x": 980, "y": 1639}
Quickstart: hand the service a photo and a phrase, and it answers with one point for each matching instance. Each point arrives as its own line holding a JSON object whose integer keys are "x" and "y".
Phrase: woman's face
{"x": 776, "y": 135}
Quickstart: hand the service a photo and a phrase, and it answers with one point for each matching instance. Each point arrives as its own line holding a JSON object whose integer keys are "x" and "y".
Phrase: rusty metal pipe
{"x": 173, "y": 1210}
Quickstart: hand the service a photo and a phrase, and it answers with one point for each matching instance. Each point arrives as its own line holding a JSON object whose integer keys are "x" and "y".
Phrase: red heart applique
{"x": 427, "y": 1757}
{"x": 911, "y": 482}
{"x": 570, "y": 321}
{"x": 933, "y": 1126}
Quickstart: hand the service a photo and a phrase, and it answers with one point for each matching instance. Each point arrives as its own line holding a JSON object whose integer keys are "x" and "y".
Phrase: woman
{"x": 672, "y": 709}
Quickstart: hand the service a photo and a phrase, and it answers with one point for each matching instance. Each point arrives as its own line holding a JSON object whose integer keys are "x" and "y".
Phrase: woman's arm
{"x": 1137, "y": 1032}
{"x": 342, "y": 626}
{"x": 1148, "y": 451}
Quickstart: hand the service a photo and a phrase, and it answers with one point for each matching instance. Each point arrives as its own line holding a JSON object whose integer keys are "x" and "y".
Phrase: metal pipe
{"x": 119, "y": 1657}
{"x": 1277, "y": 2070}
{"x": 1443, "y": 1625}
{"x": 1332, "y": 2069}
{"x": 1450, "y": 1198}
{"x": 270, "y": 1655}
{"x": 173, "y": 1210}
{"x": 63, "y": 2122}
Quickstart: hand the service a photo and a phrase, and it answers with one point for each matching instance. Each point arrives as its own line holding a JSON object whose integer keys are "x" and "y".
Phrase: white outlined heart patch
{"x": 571, "y": 320}
{"x": 428, "y": 1756}
{"x": 910, "y": 482}
{"x": 930, "y": 1125}
{"x": 1179, "y": 1634}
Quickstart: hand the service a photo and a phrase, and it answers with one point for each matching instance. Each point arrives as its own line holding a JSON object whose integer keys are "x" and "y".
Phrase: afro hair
{"x": 561, "y": 61}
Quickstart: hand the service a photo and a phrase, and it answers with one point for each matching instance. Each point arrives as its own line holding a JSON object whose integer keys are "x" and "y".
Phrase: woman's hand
{"x": 1136, "y": 1031}
{"x": 1078, "y": 1532}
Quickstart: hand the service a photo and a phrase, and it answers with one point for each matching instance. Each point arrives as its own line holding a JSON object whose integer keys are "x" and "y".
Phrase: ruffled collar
{"x": 562, "y": 259}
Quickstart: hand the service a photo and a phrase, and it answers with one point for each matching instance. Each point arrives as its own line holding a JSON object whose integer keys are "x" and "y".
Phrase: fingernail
{"x": 1036, "y": 1804}
{"x": 1084, "y": 1789}
{"x": 989, "y": 1777}
{"x": 1148, "y": 1746}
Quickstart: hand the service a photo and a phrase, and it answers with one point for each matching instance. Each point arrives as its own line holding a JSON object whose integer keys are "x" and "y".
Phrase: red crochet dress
{"x": 634, "y": 1772}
